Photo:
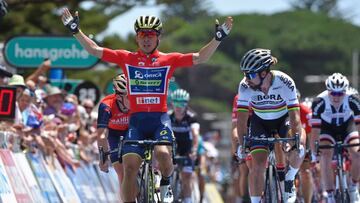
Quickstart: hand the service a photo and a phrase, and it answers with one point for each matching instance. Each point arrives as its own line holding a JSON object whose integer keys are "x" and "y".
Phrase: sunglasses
{"x": 337, "y": 94}
{"x": 88, "y": 107}
{"x": 250, "y": 76}
{"x": 149, "y": 34}
{"x": 180, "y": 104}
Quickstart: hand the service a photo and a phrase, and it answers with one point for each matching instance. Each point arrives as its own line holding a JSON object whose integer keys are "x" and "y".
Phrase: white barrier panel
{"x": 23, "y": 165}
{"x": 94, "y": 181}
{"x": 48, "y": 190}
{"x": 6, "y": 191}
{"x": 20, "y": 188}
{"x": 81, "y": 184}
{"x": 112, "y": 195}
{"x": 61, "y": 182}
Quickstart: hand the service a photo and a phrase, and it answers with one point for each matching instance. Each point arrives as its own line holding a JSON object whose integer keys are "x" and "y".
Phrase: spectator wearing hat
{"x": 4, "y": 74}
{"x": 54, "y": 100}
{"x": 18, "y": 82}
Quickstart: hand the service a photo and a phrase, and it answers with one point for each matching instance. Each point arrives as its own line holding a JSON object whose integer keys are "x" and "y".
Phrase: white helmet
{"x": 119, "y": 84}
{"x": 180, "y": 95}
{"x": 337, "y": 83}
{"x": 256, "y": 60}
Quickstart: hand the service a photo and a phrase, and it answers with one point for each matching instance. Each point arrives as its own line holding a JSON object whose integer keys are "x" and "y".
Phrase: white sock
{"x": 291, "y": 173}
{"x": 255, "y": 199}
{"x": 238, "y": 199}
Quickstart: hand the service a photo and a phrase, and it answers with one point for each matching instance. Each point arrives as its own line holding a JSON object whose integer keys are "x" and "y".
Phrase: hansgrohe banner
{"x": 30, "y": 51}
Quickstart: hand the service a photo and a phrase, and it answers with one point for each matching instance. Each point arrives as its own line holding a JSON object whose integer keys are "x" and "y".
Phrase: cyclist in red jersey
{"x": 148, "y": 72}
{"x": 113, "y": 115}
{"x": 306, "y": 178}
{"x": 240, "y": 170}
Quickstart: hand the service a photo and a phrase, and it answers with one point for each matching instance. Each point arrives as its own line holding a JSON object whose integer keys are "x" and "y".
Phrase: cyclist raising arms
{"x": 148, "y": 71}
{"x": 186, "y": 130}
{"x": 113, "y": 114}
{"x": 336, "y": 117}
{"x": 272, "y": 97}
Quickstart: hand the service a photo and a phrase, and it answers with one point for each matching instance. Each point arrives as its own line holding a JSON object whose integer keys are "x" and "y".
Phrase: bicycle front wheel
{"x": 146, "y": 185}
{"x": 271, "y": 192}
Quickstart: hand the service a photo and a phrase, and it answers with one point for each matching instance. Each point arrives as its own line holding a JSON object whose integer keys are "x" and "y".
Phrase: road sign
{"x": 30, "y": 51}
{"x": 87, "y": 90}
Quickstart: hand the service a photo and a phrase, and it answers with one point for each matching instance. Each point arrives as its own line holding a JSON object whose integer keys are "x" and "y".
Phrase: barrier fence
{"x": 32, "y": 177}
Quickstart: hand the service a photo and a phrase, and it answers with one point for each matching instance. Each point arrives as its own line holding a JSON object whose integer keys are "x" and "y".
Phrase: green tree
{"x": 188, "y": 10}
{"x": 43, "y": 16}
{"x": 326, "y": 6}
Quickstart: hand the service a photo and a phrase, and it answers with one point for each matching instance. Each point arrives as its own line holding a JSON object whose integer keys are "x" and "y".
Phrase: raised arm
{"x": 221, "y": 31}
{"x": 73, "y": 24}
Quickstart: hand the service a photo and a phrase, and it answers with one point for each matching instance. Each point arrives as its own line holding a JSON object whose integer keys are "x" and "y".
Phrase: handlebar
{"x": 338, "y": 145}
{"x": 272, "y": 140}
{"x": 147, "y": 142}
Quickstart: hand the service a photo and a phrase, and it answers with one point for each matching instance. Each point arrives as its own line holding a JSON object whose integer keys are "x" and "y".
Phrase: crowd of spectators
{"x": 48, "y": 120}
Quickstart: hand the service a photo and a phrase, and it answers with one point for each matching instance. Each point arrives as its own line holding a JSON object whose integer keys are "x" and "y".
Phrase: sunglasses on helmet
{"x": 250, "y": 76}
{"x": 150, "y": 34}
{"x": 179, "y": 104}
{"x": 337, "y": 94}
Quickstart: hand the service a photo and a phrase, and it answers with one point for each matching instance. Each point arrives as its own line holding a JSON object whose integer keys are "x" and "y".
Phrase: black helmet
{"x": 256, "y": 60}
{"x": 148, "y": 23}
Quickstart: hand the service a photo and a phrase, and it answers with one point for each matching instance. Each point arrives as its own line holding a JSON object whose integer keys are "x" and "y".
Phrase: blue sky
{"x": 123, "y": 25}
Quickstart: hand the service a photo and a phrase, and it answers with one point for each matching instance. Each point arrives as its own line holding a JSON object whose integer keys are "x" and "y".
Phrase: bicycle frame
{"x": 179, "y": 160}
{"x": 147, "y": 185}
{"x": 339, "y": 171}
{"x": 272, "y": 180}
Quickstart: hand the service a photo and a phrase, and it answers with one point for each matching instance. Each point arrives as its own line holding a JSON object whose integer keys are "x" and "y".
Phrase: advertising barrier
{"x": 81, "y": 184}
{"x": 6, "y": 191}
{"x": 62, "y": 183}
{"x": 19, "y": 186}
{"x": 23, "y": 166}
{"x": 47, "y": 187}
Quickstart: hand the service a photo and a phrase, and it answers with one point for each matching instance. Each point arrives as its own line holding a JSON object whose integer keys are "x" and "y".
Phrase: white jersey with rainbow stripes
{"x": 280, "y": 99}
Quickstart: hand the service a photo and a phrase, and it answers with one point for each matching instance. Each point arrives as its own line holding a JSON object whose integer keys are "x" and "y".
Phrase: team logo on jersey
{"x": 138, "y": 75}
{"x": 120, "y": 121}
{"x": 148, "y": 100}
{"x": 147, "y": 80}
{"x": 287, "y": 82}
{"x": 276, "y": 97}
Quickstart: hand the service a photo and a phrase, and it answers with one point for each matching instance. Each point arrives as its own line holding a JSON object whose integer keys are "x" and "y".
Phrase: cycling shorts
{"x": 183, "y": 145}
{"x": 113, "y": 140}
{"x": 147, "y": 126}
{"x": 183, "y": 148}
{"x": 264, "y": 128}
{"x": 345, "y": 132}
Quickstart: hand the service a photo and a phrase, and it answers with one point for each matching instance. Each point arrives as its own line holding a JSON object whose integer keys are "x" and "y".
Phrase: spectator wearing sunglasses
{"x": 148, "y": 72}
{"x": 336, "y": 117}
{"x": 113, "y": 122}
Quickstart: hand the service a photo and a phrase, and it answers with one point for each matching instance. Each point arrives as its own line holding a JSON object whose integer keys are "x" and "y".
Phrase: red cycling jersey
{"x": 110, "y": 116}
{"x": 148, "y": 76}
{"x": 305, "y": 116}
{"x": 234, "y": 109}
